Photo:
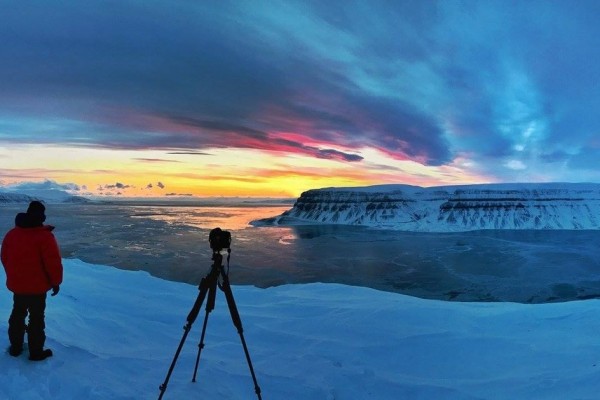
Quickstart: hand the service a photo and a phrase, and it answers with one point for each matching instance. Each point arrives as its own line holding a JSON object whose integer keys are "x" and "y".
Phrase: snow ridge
{"x": 451, "y": 208}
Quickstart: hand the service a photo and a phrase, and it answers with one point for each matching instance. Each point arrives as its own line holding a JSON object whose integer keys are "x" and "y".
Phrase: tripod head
{"x": 219, "y": 239}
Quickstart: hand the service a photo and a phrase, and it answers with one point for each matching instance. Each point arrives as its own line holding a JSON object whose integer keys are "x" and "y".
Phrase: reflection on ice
{"x": 287, "y": 239}
{"x": 206, "y": 217}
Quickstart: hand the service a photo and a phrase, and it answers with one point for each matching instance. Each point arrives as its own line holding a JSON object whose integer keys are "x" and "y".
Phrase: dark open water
{"x": 171, "y": 242}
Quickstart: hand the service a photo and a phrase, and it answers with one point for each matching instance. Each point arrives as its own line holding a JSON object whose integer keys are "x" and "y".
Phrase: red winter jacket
{"x": 31, "y": 259}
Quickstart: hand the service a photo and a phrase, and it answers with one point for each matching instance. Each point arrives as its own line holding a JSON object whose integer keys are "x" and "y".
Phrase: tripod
{"x": 208, "y": 285}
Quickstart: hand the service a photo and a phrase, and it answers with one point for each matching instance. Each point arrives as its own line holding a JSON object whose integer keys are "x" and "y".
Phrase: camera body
{"x": 219, "y": 239}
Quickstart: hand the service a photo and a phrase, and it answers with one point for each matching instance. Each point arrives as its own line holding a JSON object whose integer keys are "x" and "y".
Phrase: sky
{"x": 271, "y": 98}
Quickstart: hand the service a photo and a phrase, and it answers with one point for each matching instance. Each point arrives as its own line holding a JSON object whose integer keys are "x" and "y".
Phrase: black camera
{"x": 219, "y": 239}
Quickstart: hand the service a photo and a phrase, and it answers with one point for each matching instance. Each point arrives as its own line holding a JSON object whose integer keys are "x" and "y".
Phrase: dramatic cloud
{"x": 510, "y": 84}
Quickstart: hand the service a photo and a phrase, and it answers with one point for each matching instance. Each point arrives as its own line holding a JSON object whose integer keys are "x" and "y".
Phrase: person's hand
{"x": 55, "y": 290}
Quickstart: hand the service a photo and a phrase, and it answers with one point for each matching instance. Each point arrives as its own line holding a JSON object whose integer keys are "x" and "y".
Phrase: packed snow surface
{"x": 451, "y": 208}
{"x": 114, "y": 334}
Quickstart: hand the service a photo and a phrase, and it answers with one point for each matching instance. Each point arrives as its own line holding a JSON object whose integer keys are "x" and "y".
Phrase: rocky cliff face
{"x": 452, "y": 208}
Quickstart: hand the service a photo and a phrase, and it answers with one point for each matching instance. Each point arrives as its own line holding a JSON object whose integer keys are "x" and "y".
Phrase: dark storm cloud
{"x": 497, "y": 80}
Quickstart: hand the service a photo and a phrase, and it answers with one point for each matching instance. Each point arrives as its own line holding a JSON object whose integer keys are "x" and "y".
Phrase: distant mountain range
{"x": 46, "y": 196}
{"x": 450, "y": 208}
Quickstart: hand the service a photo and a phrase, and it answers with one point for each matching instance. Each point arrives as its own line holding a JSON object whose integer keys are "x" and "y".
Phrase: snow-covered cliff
{"x": 451, "y": 208}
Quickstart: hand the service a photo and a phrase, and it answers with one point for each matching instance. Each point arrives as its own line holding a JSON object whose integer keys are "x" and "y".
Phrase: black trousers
{"x": 35, "y": 305}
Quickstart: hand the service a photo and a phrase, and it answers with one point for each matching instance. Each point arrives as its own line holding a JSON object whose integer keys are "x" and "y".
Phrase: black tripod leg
{"x": 163, "y": 387}
{"x": 204, "y": 285}
{"x": 237, "y": 321}
{"x": 210, "y": 305}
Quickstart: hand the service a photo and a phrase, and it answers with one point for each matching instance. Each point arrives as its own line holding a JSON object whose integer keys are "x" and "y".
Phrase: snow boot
{"x": 15, "y": 351}
{"x": 41, "y": 355}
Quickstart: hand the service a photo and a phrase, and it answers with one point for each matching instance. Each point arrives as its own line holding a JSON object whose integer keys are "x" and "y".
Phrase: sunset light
{"x": 272, "y": 99}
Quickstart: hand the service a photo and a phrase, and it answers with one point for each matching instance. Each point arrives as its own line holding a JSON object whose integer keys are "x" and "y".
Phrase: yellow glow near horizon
{"x": 213, "y": 172}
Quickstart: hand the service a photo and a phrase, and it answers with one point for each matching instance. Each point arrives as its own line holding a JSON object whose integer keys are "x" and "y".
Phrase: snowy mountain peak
{"x": 15, "y": 198}
{"x": 47, "y": 192}
{"x": 44, "y": 196}
{"x": 451, "y": 208}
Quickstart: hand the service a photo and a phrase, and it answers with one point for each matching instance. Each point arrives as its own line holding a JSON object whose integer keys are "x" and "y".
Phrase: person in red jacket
{"x": 33, "y": 265}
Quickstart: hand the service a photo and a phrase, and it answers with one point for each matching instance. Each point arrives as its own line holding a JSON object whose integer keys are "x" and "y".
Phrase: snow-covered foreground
{"x": 114, "y": 334}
